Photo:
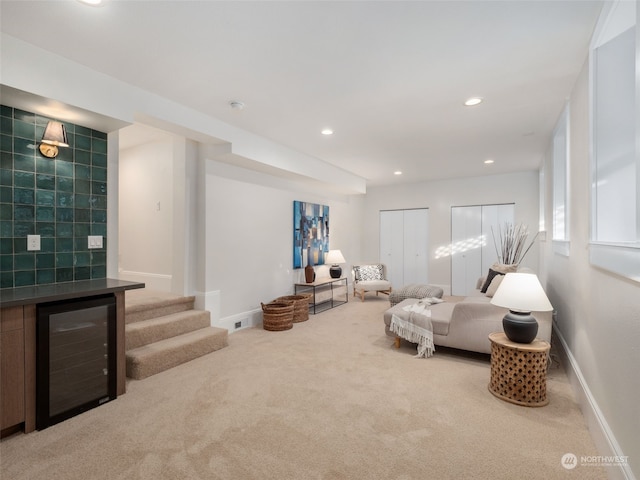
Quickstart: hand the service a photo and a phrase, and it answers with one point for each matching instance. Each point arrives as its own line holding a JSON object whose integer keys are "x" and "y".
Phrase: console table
{"x": 325, "y": 293}
{"x": 519, "y": 370}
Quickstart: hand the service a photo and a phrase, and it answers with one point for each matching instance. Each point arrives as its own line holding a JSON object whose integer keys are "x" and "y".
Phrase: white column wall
{"x": 184, "y": 159}
{"x": 113, "y": 201}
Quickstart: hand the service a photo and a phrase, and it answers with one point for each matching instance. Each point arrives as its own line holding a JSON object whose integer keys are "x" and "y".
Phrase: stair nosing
{"x": 160, "y": 343}
{"x": 163, "y": 319}
{"x": 159, "y": 304}
{"x": 145, "y": 332}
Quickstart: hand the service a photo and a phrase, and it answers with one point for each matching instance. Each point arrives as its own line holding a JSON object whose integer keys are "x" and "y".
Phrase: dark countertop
{"x": 12, "y": 297}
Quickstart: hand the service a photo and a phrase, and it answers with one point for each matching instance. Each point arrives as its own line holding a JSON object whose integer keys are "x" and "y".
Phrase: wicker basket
{"x": 300, "y": 306}
{"x": 277, "y": 316}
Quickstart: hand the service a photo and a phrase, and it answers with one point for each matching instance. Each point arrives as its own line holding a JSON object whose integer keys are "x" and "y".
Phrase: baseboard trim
{"x": 211, "y": 301}
{"x": 601, "y": 433}
{"x": 240, "y": 321}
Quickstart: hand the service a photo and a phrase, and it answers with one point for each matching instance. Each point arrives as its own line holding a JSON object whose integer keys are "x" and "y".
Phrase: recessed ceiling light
{"x": 236, "y": 105}
{"x": 397, "y": 172}
{"x": 473, "y": 101}
{"x": 93, "y": 3}
{"x": 488, "y": 162}
{"x": 327, "y": 131}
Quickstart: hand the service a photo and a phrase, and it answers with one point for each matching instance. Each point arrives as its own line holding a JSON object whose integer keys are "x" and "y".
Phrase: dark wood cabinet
{"x": 12, "y": 386}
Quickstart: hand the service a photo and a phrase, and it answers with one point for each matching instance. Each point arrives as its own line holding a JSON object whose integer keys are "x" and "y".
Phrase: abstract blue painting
{"x": 310, "y": 233}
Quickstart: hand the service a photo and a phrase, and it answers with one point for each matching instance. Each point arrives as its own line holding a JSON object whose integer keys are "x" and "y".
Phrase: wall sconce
{"x": 54, "y": 136}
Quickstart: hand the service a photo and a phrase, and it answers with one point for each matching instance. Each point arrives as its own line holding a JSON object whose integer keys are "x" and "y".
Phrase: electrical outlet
{"x": 33, "y": 242}
{"x": 94, "y": 241}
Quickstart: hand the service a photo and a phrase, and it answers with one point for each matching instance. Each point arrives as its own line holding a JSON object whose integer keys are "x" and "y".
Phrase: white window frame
{"x": 622, "y": 258}
{"x": 560, "y": 177}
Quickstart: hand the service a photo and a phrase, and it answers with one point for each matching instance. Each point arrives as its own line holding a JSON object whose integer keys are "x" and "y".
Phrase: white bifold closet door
{"x": 404, "y": 245}
{"x": 472, "y": 242}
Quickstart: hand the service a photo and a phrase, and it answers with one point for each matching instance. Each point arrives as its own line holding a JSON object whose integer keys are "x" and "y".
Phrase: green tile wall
{"x": 62, "y": 199}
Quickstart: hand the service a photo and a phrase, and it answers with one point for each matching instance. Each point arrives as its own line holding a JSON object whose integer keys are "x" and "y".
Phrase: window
{"x": 615, "y": 165}
{"x": 561, "y": 184}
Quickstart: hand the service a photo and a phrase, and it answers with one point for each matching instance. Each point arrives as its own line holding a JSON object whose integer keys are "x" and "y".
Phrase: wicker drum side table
{"x": 519, "y": 371}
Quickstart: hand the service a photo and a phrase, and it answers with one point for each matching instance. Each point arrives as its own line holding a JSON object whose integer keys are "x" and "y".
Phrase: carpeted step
{"x": 151, "y": 307}
{"x": 148, "y": 360}
{"x": 152, "y": 330}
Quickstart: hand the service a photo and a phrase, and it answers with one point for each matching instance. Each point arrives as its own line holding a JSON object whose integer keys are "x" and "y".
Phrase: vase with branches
{"x": 510, "y": 242}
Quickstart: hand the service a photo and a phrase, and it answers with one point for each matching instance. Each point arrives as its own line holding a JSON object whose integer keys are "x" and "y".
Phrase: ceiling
{"x": 389, "y": 77}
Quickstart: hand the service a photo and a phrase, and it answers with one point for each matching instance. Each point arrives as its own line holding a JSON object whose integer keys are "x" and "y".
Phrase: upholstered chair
{"x": 370, "y": 278}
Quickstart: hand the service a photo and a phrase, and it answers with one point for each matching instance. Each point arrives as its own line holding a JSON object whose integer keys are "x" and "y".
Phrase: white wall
{"x": 249, "y": 237}
{"x": 598, "y": 313}
{"x": 439, "y": 196}
{"x": 146, "y": 214}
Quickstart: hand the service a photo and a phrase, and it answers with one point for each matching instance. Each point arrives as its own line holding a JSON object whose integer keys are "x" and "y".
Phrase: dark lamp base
{"x": 335, "y": 271}
{"x": 520, "y": 327}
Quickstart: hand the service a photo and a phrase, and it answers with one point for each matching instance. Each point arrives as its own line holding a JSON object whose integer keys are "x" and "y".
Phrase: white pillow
{"x": 368, "y": 272}
{"x": 493, "y": 286}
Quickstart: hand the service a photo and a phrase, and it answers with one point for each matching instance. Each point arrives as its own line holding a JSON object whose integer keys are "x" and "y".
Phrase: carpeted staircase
{"x": 163, "y": 330}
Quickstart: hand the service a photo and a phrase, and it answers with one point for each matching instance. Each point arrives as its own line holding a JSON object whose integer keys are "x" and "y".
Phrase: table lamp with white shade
{"x": 522, "y": 294}
{"x": 334, "y": 257}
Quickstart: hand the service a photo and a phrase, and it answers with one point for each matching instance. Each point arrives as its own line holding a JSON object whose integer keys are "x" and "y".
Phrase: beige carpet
{"x": 329, "y": 399}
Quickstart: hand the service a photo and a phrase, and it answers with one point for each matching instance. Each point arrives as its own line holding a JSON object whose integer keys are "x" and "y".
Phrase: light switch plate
{"x": 33, "y": 242}
{"x": 95, "y": 241}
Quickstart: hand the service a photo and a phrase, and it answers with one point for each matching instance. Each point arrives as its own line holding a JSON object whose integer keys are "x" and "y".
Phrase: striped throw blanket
{"x": 414, "y": 325}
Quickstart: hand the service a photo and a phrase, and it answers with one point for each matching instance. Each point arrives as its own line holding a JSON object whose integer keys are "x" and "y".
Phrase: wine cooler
{"x": 75, "y": 357}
